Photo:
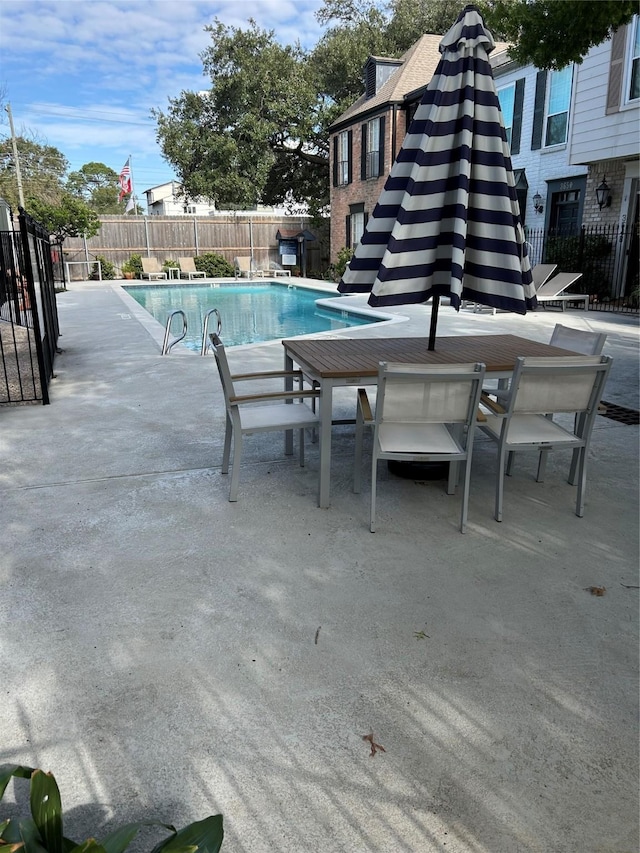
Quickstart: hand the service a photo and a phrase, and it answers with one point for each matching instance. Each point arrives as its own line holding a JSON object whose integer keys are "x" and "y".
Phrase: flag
{"x": 125, "y": 181}
{"x": 130, "y": 204}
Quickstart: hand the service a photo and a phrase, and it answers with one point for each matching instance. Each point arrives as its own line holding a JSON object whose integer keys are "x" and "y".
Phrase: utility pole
{"x": 16, "y": 159}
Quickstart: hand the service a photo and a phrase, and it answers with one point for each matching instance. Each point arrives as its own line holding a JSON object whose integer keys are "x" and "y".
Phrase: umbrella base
{"x": 419, "y": 470}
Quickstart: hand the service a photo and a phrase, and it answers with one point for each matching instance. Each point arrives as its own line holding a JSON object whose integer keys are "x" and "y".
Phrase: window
{"x": 189, "y": 208}
{"x": 634, "y": 70}
{"x": 343, "y": 158}
{"x": 507, "y": 98}
{"x": 356, "y": 223}
{"x": 558, "y": 103}
{"x": 372, "y": 164}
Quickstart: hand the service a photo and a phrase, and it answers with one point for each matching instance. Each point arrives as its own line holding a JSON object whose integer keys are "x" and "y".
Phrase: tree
{"x": 551, "y": 34}
{"x": 70, "y": 217}
{"x": 42, "y": 168}
{"x": 97, "y": 185}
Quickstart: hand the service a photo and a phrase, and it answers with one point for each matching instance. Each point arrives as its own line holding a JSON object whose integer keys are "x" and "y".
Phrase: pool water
{"x": 251, "y": 313}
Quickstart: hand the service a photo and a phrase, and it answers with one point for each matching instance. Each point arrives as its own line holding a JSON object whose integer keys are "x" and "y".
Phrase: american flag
{"x": 125, "y": 181}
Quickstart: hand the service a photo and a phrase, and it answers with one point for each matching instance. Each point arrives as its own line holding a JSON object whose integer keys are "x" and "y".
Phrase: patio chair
{"x": 286, "y": 410}
{"x": 246, "y": 266}
{"x": 188, "y": 269}
{"x": 151, "y": 269}
{"x": 541, "y": 388}
{"x": 424, "y": 413}
{"x": 577, "y": 340}
{"x": 542, "y": 273}
{"x": 553, "y": 290}
{"x": 275, "y": 270}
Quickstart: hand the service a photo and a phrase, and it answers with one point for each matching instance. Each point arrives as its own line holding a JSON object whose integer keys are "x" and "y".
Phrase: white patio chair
{"x": 553, "y": 290}
{"x": 542, "y": 273}
{"x": 577, "y": 340}
{"x": 274, "y": 414}
{"x": 542, "y": 387}
{"x": 151, "y": 269}
{"x": 424, "y": 413}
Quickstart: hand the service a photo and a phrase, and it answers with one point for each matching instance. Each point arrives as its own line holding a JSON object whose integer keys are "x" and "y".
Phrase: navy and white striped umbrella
{"x": 447, "y": 222}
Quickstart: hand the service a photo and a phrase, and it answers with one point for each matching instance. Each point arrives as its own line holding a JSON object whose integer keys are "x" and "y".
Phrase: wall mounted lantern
{"x": 603, "y": 194}
{"x": 537, "y": 203}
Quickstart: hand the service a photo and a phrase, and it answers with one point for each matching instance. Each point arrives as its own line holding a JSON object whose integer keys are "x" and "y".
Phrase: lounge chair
{"x": 286, "y": 410}
{"x": 542, "y": 387}
{"x": 275, "y": 270}
{"x": 542, "y": 273}
{"x": 188, "y": 269}
{"x": 553, "y": 290}
{"x": 424, "y": 413}
{"x": 246, "y": 266}
{"x": 151, "y": 269}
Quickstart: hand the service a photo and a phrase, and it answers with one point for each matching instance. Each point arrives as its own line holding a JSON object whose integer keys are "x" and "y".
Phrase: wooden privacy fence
{"x": 173, "y": 237}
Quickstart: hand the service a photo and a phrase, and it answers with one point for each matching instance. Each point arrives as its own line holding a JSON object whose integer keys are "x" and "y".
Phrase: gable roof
{"x": 415, "y": 73}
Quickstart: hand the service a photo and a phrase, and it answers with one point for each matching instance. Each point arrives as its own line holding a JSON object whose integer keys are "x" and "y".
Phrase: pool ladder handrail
{"x": 206, "y": 343}
{"x": 167, "y": 344}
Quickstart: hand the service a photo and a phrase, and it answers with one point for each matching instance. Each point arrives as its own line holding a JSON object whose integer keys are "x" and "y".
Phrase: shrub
{"x": 585, "y": 253}
{"x": 108, "y": 269}
{"x": 336, "y": 271}
{"x": 134, "y": 265}
{"x": 168, "y": 264}
{"x": 214, "y": 265}
{"x": 42, "y": 832}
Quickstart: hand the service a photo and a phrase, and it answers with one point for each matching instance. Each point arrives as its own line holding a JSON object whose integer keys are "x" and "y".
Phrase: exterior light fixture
{"x": 537, "y": 203}
{"x": 603, "y": 194}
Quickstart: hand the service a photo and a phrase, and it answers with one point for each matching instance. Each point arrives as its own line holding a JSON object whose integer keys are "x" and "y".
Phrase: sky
{"x": 83, "y": 75}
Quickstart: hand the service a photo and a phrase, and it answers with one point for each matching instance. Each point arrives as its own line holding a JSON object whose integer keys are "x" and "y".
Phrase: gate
{"x": 28, "y": 314}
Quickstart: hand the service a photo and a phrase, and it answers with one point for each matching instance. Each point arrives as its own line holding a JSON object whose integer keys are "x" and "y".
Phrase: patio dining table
{"x": 333, "y": 362}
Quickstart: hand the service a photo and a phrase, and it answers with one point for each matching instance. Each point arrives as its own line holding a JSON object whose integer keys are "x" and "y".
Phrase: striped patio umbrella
{"x": 447, "y": 222}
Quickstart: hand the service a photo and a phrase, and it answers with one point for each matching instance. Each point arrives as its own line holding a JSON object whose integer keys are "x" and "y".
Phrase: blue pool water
{"x": 250, "y": 313}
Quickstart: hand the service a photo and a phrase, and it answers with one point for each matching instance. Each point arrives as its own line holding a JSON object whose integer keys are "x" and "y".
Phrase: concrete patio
{"x": 169, "y": 655}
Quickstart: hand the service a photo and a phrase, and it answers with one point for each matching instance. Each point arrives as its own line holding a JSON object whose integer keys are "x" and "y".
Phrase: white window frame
{"x": 357, "y": 227}
{"x": 632, "y": 57}
{"x": 507, "y": 97}
{"x": 548, "y": 115}
{"x": 373, "y": 148}
{"x": 343, "y": 158}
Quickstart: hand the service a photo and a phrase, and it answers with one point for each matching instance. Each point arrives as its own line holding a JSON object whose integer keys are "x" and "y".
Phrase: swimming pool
{"x": 251, "y": 313}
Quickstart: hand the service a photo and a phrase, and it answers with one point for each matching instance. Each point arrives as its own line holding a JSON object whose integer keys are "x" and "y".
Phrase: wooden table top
{"x": 345, "y": 357}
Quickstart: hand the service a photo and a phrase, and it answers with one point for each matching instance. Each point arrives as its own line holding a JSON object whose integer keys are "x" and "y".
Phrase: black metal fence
{"x": 607, "y": 257}
{"x": 28, "y": 314}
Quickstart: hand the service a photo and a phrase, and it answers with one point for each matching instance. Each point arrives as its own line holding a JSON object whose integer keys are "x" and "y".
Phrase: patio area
{"x": 169, "y": 655}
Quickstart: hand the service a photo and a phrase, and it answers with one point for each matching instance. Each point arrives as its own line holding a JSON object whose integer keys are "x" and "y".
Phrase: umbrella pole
{"x": 435, "y": 304}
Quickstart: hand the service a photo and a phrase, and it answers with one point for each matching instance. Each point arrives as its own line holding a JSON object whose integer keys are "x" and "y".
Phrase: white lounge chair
{"x": 542, "y": 273}
{"x": 553, "y": 290}
{"x": 275, "y": 270}
{"x": 246, "y": 266}
{"x": 188, "y": 269}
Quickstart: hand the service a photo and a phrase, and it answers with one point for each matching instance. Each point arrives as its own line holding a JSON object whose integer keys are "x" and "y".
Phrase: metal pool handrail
{"x": 205, "y": 329}
{"x": 166, "y": 344}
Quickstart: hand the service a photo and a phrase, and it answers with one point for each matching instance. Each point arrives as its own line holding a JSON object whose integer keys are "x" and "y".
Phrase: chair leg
{"x": 357, "y": 462}
{"x": 510, "y": 460}
{"x": 374, "y": 477}
{"x": 500, "y": 483}
{"x": 235, "y": 470}
{"x": 227, "y": 446}
{"x": 301, "y": 439}
{"x": 542, "y": 466}
{"x": 465, "y": 495}
{"x": 582, "y": 480}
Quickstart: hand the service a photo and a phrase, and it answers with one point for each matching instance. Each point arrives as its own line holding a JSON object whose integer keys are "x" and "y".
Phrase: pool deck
{"x": 168, "y": 654}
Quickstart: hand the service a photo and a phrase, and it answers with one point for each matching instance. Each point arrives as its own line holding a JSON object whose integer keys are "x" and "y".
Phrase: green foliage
{"x": 581, "y": 253}
{"x": 70, "y": 217}
{"x": 552, "y": 34}
{"x": 336, "y": 271}
{"x": 108, "y": 269}
{"x": 133, "y": 265}
{"x": 42, "y": 168}
{"x": 98, "y": 186}
{"x": 169, "y": 263}
{"x": 42, "y": 832}
{"x": 214, "y": 265}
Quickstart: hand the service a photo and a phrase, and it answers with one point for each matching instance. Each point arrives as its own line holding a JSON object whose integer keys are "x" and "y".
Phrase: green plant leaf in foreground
{"x": 46, "y": 810}
{"x": 203, "y": 836}
{"x": 118, "y": 840}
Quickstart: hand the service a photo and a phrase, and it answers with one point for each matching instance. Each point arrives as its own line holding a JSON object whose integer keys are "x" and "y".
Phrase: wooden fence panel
{"x": 172, "y": 237}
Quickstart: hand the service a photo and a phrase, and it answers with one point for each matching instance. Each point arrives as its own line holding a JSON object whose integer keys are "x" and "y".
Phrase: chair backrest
{"x": 558, "y": 283}
{"x": 187, "y": 265}
{"x": 223, "y": 368}
{"x": 544, "y": 386}
{"x": 151, "y": 265}
{"x": 421, "y": 393}
{"x": 542, "y": 273}
{"x": 244, "y": 264}
{"x": 577, "y": 340}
